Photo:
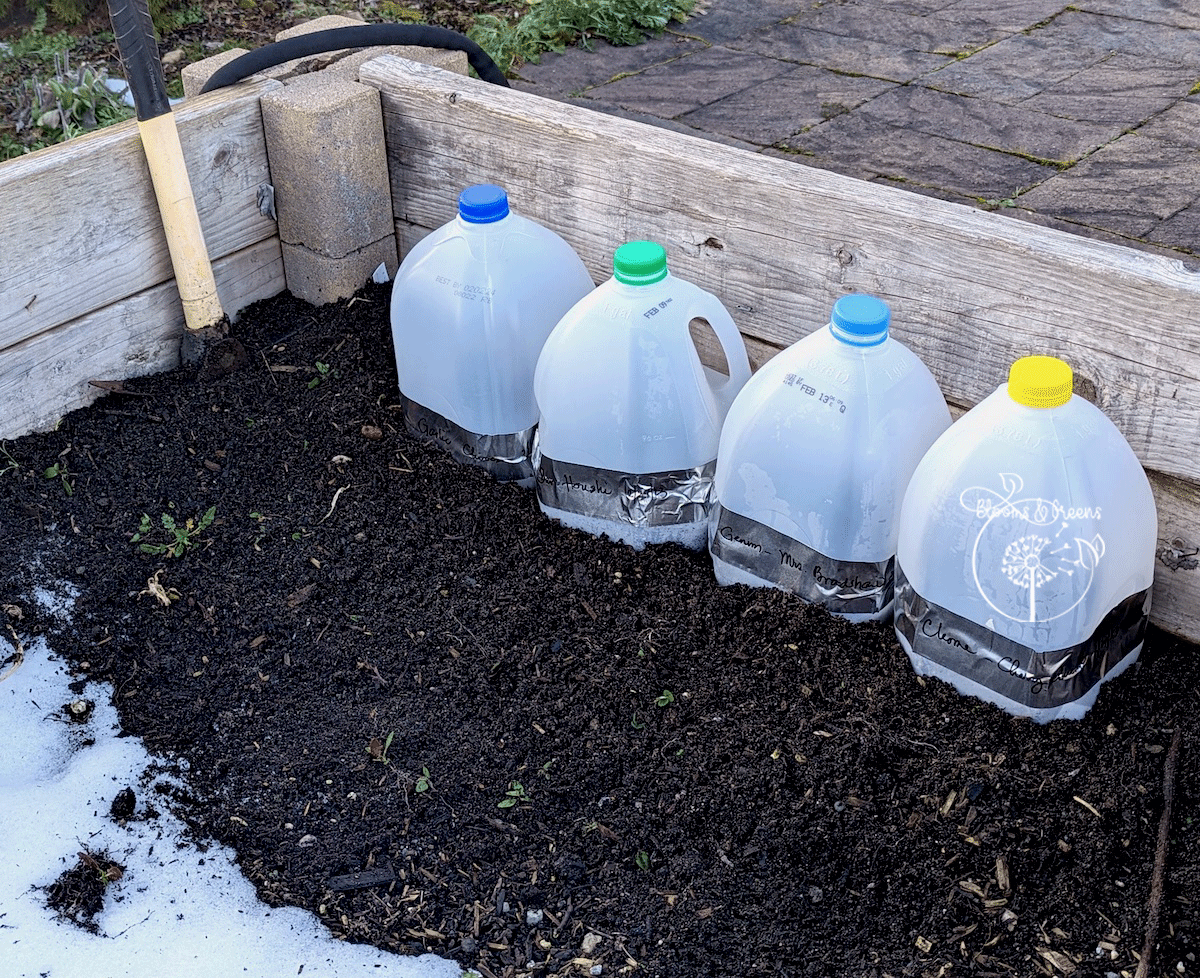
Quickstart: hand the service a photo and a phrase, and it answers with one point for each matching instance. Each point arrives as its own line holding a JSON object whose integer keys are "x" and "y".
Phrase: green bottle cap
{"x": 640, "y": 263}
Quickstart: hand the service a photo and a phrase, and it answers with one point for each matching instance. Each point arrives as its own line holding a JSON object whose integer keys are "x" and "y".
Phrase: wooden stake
{"x": 1158, "y": 877}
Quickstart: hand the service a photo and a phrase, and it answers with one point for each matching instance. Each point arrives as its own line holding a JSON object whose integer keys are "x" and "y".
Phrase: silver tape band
{"x": 1038, "y": 679}
{"x": 647, "y": 499}
{"x": 849, "y": 587}
{"x": 507, "y": 457}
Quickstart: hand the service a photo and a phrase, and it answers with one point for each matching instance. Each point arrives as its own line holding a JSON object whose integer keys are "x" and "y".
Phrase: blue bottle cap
{"x": 860, "y": 320}
{"x": 483, "y": 203}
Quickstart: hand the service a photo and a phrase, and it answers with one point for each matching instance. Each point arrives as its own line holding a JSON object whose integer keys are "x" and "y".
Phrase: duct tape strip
{"x": 846, "y": 587}
{"x": 1040, "y": 680}
{"x": 640, "y": 499}
{"x": 507, "y": 457}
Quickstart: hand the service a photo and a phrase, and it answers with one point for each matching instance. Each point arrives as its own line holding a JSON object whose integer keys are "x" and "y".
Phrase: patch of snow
{"x": 176, "y": 911}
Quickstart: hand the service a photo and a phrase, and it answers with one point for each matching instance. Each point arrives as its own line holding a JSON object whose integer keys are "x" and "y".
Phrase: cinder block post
{"x": 325, "y": 148}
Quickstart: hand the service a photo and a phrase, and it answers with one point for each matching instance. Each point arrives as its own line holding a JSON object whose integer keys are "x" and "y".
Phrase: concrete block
{"x": 326, "y": 23}
{"x": 319, "y": 279}
{"x": 455, "y": 61}
{"x": 196, "y": 75}
{"x": 325, "y": 146}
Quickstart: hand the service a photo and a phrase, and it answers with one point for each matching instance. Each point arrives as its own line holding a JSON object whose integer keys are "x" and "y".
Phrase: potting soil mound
{"x": 420, "y": 709}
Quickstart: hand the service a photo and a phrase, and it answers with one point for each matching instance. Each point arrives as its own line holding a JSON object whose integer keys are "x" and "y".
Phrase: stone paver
{"x": 932, "y": 32}
{"x": 1123, "y": 89}
{"x": 670, "y": 90}
{"x": 1179, "y": 125}
{"x": 1128, "y": 35}
{"x": 917, "y": 158}
{"x": 877, "y": 59}
{"x": 1179, "y": 13}
{"x": 968, "y": 100}
{"x": 578, "y": 70}
{"x": 994, "y": 125}
{"x": 1017, "y": 68}
{"x": 1122, "y": 187}
{"x": 728, "y": 21}
{"x": 786, "y": 105}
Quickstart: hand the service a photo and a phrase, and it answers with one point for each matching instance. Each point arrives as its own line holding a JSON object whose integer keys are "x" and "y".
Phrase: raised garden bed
{"x": 370, "y": 650}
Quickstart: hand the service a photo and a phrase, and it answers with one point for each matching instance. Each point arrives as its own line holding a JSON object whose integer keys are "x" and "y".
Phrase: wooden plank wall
{"x": 780, "y": 242}
{"x": 86, "y": 285}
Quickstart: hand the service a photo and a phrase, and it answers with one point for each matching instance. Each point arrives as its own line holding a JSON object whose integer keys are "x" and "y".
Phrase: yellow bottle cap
{"x": 1040, "y": 382}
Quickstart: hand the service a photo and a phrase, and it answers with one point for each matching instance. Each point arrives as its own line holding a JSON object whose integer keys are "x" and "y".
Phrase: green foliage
{"x": 424, "y": 782}
{"x": 50, "y": 98}
{"x": 552, "y": 25}
{"x": 77, "y": 11}
{"x": 59, "y": 471}
{"x": 178, "y": 538}
{"x": 515, "y": 795}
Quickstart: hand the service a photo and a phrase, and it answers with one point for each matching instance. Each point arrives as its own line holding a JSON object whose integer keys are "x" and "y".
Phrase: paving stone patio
{"x": 1082, "y": 116}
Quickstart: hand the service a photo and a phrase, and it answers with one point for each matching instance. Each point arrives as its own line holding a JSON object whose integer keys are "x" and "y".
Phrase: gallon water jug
{"x": 1026, "y": 550}
{"x": 815, "y": 456}
{"x": 629, "y": 417}
{"x": 472, "y": 305}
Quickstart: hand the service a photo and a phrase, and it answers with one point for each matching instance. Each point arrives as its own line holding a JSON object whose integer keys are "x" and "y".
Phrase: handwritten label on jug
{"x": 795, "y": 380}
{"x": 844, "y": 586}
{"x": 472, "y": 293}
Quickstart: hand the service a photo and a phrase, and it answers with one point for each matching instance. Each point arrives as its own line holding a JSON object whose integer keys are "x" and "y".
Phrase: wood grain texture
{"x": 44, "y": 377}
{"x": 82, "y": 227}
{"x": 778, "y": 243}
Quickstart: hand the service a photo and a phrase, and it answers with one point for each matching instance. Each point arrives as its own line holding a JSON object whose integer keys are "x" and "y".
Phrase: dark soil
{"x": 442, "y": 722}
{"x": 78, "y": 894}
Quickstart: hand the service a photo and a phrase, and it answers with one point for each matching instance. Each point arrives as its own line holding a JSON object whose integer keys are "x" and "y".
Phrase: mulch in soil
{"x": 444, "y": 723}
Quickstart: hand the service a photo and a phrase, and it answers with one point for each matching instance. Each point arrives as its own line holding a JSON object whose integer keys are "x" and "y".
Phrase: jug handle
{"x": 706, "y": 306}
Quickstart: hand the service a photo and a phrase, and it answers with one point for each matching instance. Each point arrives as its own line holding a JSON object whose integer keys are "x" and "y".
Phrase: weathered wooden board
{"x": 44, "y": 377}
{"x": 780, "y": 242}
{"x": 81, "y": 224}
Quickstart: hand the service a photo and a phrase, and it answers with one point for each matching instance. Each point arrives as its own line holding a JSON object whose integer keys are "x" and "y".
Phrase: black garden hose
{"x": 341, "y": 38}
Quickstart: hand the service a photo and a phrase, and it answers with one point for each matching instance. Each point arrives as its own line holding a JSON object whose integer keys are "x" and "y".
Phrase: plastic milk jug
{"x": 629, "y": 417}
{"x": 1026, "y": 550}
{"x": 815, "y": 456}
{"x": 471, "y": 306}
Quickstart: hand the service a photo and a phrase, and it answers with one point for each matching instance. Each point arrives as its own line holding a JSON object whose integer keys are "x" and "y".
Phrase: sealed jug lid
{"x": 483, "y": 203}
{"x": 860, "y": 320}
{"x": 640, "y": 263}
{"x": 1040, "y": 382}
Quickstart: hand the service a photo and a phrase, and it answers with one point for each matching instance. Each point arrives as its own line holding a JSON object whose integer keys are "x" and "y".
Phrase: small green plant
{"x": 636, "y": 723}
{"x": 59, "y": 471}
{"x": 324, "y": 373}
{"x": 515, "y": 795}
{"x": 424, "y": 782}
{"x": 642, "y": 859}
{"x": 178, "y": 538}
{"x": 378, "y": 749}
{"x": 9, "y": 463}
{"x": 665, "y": 699}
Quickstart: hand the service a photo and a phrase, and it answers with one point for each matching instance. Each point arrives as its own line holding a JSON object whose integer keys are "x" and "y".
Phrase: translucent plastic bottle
{"x": 815, "y": 456}
{"x": 472, "y": 305}
{"x": 1026, "y": 551}
{"x": 630, "y": 418}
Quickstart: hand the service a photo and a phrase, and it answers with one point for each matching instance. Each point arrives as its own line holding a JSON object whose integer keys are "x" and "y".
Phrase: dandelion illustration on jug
{"x": 1046, "y": 553}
